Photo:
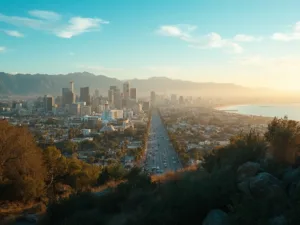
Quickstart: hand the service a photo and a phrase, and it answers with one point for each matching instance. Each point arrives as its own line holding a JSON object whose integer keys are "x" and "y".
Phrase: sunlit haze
{"x": 251, "y": 43}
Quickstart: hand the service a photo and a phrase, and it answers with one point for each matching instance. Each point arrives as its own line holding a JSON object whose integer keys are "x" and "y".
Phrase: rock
{"x": 216, "y": 217}
{"x": 265, "y": 185}
{"x": 291, "y": 176}
{"x": 31, "y": 218}
{"x": 247, "y": 170}
{"x": 244, "y": 187}
{"x": 278, "y": 220}
{"x": 294, "y": 191}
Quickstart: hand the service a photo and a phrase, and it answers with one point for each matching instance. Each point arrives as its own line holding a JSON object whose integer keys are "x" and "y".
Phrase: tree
{"x": 284, "y": 138}
{"x": 103, "y": 177}
{"x": 56, "y": 166}
{"x": 21, "y": 166}
{"x": 70, "y": 147}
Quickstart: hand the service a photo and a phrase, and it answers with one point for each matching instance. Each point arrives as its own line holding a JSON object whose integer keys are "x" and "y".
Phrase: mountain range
{"x": 40, "y": 84}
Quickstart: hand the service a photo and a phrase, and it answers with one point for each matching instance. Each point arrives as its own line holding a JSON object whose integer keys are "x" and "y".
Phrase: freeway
{"x": 160, "y": 154}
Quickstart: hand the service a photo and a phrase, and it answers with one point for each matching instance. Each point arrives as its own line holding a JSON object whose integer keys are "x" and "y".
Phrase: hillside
{"x": 39, "y": 84}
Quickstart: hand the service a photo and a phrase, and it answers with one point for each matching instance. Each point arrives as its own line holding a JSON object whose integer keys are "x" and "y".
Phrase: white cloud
{"x": 212, "y": 40}
{"x": 13, "y": 33}
{"x": 52, "y": 22}
{"x": 79, "y": 25}
{"x": 246, "y": 38}
{"x": 45, "y": 15}
{"x": 2, "y": 49}
{"x": 291, "y": 36}
{"x": 182, "y": 31}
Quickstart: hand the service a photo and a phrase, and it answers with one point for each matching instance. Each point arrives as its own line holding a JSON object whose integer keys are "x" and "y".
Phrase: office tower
{"x": 133, "y": 93}
{"x": 111, "y": 96}
{"x": 72, "y": 86}
{"x": 126, "y": 90}
{"x": 85, "y": 95}
{"x": 153, "y": 98}
{"x": 68, "y": 95}
{"x": 117, "y": 99}
{"x": 48, "y": 103}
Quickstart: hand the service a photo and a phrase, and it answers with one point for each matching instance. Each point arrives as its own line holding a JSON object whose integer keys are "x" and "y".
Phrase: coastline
{"x": 234, "y": 109}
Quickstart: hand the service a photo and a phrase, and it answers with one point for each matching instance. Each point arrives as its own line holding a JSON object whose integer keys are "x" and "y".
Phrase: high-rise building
{"x": 48, "y": 103}
{"x": 68, "y": 95}
{"x": 85, "y": 95}
{"x": 117, "y": 99}
{"x": 153, "y": 98}
{"x": 111, "y": 96}
{"x": 126, "y": 88}
{"x": 133, "y": 93}
{"x": 72, "y": 86}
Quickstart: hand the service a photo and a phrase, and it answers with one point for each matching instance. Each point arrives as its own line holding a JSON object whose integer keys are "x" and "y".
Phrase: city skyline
{"x": 247, "y": 44}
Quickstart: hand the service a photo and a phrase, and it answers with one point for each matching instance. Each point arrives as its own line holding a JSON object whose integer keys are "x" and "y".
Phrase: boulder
{"x": 278, "y": 220}
{"x": 247, "y": 170}
{"x": 291, "y": 176}
{"x": 265, "y": 185}
{"x": 30, "y": 218}
{"x": 244, "y": 187}
{"x": 216, "y": 217}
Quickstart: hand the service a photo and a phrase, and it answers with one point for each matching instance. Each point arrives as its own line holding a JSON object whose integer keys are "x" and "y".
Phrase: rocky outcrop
{"x": 278, "y": 220}
{"x": 247, "y": 170}
{"x": 265, "y": 185}
{"x": 216, "y": 217}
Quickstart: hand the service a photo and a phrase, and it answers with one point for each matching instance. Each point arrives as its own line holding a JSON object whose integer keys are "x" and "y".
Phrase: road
{"x": 160, "y": 154}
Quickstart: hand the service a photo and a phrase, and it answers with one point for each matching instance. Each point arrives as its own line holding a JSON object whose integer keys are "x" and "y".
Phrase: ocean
{"x": 292, "y": 111}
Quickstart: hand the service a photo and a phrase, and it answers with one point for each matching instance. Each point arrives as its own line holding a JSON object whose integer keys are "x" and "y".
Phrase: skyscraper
{"x": 117, "y": 99}
{"x": 133, "y": 93}
{"x": 48, "y": 103}
{"x": 85, "y": 95}
{"x": 111, "y": 96}
{"x": 68, "y": 95}
{"x": 126, "y": 90}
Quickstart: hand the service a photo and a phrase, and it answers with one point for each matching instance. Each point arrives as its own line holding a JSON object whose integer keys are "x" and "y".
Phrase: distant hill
{"x": 39, "y": 84}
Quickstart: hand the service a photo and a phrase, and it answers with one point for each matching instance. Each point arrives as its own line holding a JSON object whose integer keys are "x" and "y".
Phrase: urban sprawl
{"x": 159, "y": 133}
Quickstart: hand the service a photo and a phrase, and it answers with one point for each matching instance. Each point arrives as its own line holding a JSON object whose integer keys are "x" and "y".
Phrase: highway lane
{"x": 160, "y": 155}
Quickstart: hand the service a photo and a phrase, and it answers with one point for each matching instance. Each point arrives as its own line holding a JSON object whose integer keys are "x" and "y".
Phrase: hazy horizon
{"x": 198, "y": 41}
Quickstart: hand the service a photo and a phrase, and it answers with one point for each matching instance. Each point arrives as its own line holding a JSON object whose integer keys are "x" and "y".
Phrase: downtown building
{"x": 85, "y": 95}
{"x": 48, "y": 103}
{"x": 68, "y": 95}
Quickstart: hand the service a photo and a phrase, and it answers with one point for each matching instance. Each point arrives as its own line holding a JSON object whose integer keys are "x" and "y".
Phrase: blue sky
{"x": 253, "y": 43}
